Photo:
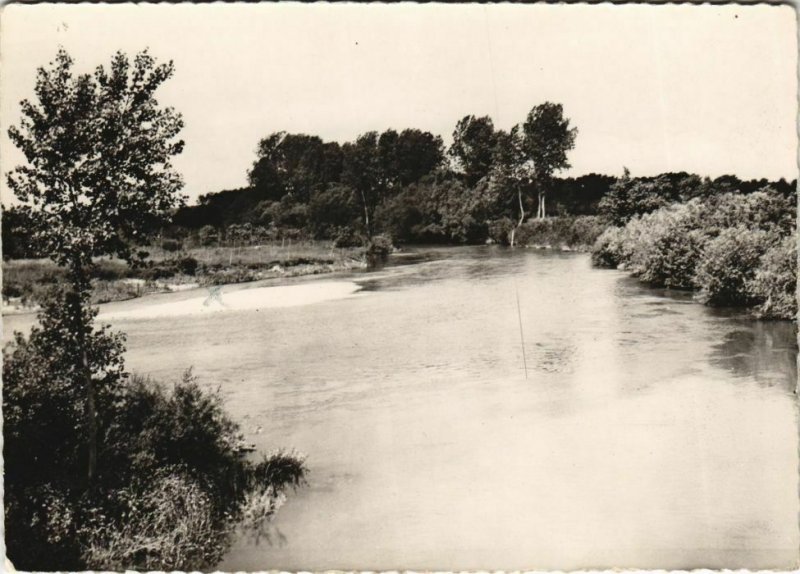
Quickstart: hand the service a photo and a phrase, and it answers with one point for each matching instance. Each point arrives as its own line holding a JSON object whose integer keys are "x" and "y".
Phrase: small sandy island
{"x": 218, "y": 300}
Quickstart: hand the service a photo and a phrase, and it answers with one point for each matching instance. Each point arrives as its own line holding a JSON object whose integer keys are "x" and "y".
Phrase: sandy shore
{"x": 221, "y": 299}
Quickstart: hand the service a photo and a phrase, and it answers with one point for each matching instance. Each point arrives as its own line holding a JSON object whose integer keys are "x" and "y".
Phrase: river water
{"x": 637, "y": 428}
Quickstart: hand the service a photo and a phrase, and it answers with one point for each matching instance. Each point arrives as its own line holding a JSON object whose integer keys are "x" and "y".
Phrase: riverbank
{"x": 26, "y": 281}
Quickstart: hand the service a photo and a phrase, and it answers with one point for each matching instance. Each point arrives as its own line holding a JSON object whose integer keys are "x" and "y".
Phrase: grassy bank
{"x": 26, "y": 281}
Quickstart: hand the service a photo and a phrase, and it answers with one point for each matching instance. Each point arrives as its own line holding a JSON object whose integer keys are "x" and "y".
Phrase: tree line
{"x": 408, "y": 186}
{"x": 404, "y": 184}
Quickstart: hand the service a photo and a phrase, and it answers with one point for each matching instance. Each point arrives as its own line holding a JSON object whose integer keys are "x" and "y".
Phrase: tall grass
{"x": 27, "y": 281}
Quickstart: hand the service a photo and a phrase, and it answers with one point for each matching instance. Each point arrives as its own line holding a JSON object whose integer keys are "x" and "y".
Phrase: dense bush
{"x": 171, "y": 481}
{"x": 171, "y": 245}
{"x": 333, "y": 210}
{"x": 737, "y": 250}
{"x": 629, "y": 197}
{"x": 348, "y": 237}
{"x": 574, "y": 232}
{"x": 208, "y": 235}
{"x": 500, "y": 230}
{"x": 378, "y": 250}
{"x": 45, "y": 433}
{"x": 764, "y": 209}
{"x": 728, "y": 264}
{"x": 167, "y": 268}
{"x": 774, "y": 284}
{"x": 18, "y": 239}
{"x": 663, "y": 247}
{"x": 607, "y": 250}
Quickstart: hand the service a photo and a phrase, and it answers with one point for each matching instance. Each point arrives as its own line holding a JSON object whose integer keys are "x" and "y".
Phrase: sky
{"x": 704, "y": 89}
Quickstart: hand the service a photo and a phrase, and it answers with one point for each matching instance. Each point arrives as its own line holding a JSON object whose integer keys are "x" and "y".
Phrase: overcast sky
{"x": 706, "y": 89}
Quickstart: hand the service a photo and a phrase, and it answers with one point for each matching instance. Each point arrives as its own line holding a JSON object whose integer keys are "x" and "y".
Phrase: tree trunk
{"x": 80, "y": 286}
{"x": 540, "y": 213}
{"x": 91, "y": 418}
{"x": 366, "y": 215}
{"x": 521, "y": 218}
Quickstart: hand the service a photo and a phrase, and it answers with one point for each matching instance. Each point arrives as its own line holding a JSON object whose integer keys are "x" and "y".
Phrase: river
{"x": 637, "y": 429}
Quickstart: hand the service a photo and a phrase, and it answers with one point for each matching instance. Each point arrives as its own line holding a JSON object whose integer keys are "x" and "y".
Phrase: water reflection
{"x": 765, "y": 352}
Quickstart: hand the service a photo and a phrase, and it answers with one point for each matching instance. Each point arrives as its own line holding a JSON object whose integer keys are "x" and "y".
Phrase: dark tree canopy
{"x": 548, "y": 138}
{"x": 362, "y": 171}
{"x": 413, "y": 154}
{"x": 99, "y": 148}
{"x": 473, "y": 147}
{"x": 296, "y": 164}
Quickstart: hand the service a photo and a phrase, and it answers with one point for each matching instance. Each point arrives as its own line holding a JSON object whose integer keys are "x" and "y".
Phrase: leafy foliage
{"x": 99, "y": 149}
{"x": 171, "y": 481}
{"x": 45, "y": 428}
{"x": 548, "y": 137}
{"x": 728, "y": 264}
{"x": 665, "y": 246}
{"x": 775, "y": 281}
{"x": 473, "y": 146}
{"x": 572, "y": 232}
{"x": 735, "y": 249}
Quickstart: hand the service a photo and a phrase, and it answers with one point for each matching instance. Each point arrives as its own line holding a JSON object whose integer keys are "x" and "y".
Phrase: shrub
{"x": 208, "y": 235}
{"x": 348, "y": 237}
{"x": 168, "y": 525}
{"x": 574, "y": 232}
{"x": 331, "y": 210}
{"x": 171, "y": 245}
{"x": 168, "y": 268}
{"x": 665, "y": 245}
{"x": 775, "y": 281}
{"x": 629, "y": 197}
{"x": 765, "y": 210}
{"x": 171, "y": 484}
{"x": 500, "y": 230}
{"x": 607, "y": 250}
{"x": 728, "y": 264}
{"x": 378, "y": 250}
{"x": 45, "y": 430}
{"x": 185, "y": 265}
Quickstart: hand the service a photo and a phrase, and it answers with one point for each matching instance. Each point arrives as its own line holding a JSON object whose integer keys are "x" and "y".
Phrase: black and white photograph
{"x": 399, "y": 286}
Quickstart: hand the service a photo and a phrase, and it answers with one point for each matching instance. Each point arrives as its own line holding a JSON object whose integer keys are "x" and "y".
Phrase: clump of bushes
{"x": 734, "y": 249}
{"x": 378, "y": 250}
{"x": 171, "y": 481}
{"x": 728, "y": 264}
{"x": 574, "y": 232}
{"x": 171, "y": 245}
{"x": 500, "y": 230}
{"x": 663, "y": 247}
{"x": 774, "y": 283}
{"x": 182, "y": 265}
{"x": 348, "y": 237}
{"x": 608, "y": 248}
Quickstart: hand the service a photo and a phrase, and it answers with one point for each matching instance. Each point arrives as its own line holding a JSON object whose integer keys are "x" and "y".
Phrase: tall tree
{"x": 511, "y": 173}
{"x": 417, "y": 154}
{"x": 293, "y": 164}
{"x": 99, "y": 175}
{"x": 362, "y": 170}
{"x": 473, "y": 147}
{"x": 547, "y": 139}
